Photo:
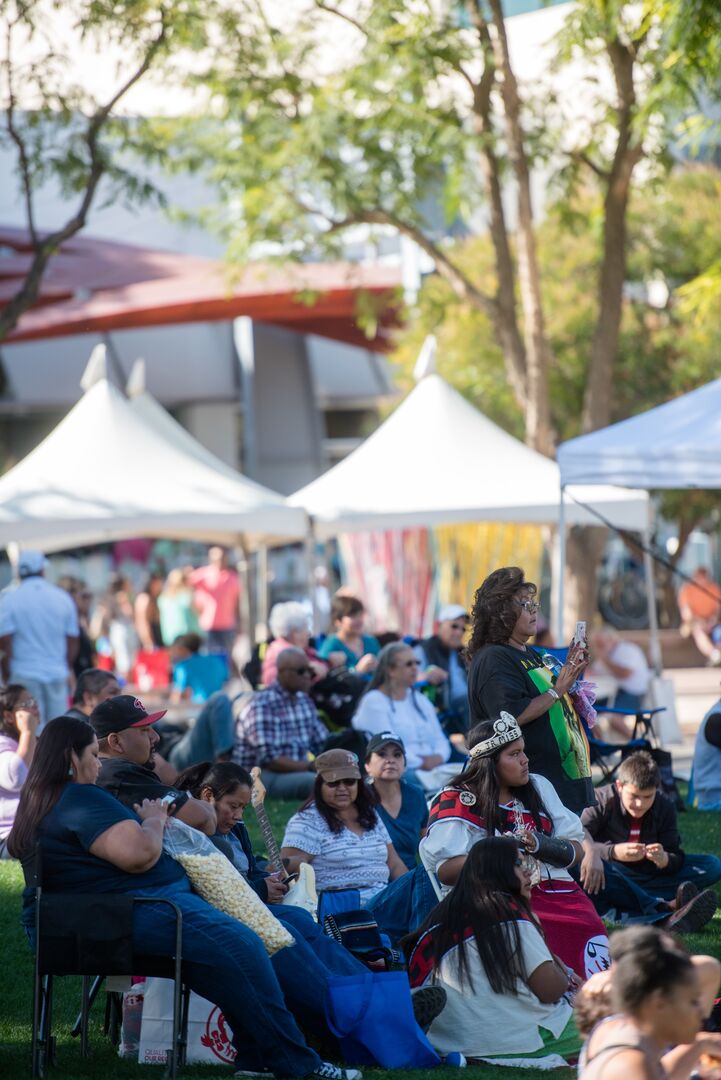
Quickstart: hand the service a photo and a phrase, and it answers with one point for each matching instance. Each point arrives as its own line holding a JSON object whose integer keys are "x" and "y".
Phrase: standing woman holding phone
{"x": 507, "y": 675}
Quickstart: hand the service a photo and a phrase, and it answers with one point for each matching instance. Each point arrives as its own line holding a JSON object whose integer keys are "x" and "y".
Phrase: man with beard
{"x": 127, "y": 741}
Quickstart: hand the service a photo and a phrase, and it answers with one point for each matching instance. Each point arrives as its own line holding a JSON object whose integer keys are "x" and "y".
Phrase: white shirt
{"x": 480, "y": 1023}
{"x": 40, "y": 617}
{"x": 418, "y": 726}
{"x": 447, "y": 839}
{"x": 628, "y": 655}
{"x": 344, "y": 859}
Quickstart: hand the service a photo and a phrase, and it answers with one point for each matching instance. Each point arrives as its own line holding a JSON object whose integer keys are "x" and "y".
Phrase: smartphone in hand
{"x": 579, "y": 636}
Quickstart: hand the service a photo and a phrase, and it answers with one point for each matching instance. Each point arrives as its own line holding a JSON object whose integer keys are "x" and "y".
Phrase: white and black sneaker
{"x": 327, "y": 1071}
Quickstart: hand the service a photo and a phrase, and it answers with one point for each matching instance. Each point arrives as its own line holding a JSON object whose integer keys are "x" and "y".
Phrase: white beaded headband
{"x": 505, "y": 730}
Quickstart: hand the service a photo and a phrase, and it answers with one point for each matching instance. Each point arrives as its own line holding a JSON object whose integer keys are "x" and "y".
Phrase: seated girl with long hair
{"x": 497, "y": 794}
{"x": 507, "y": 994}
{"x": 227, "y": 787}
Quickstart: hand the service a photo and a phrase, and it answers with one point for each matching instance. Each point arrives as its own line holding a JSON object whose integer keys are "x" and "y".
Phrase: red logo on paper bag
{"x": 216, "y": 1037}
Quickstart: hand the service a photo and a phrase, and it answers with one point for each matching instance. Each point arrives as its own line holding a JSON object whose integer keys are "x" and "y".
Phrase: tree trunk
{"x": 539, "y": 433}
{"x": 584, "y": 548}
{"x": 604, "y": 347}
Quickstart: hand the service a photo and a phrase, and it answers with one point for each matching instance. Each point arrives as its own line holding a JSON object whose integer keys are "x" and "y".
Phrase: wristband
{"x": 554, "y": 850}
{"x": 554, "y": 693}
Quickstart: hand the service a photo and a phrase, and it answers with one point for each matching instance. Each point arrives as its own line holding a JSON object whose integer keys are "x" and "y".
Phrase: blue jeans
{"x": 226, "y": 963}
{"x": 212, "y": 733}
{"x": 702, "y": 870}
{"x": 403, "y": 904}
{"x": 622, "y": 894}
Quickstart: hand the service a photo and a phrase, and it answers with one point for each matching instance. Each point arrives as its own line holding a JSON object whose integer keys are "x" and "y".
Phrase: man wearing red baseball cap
{"x": 127, "y": 741}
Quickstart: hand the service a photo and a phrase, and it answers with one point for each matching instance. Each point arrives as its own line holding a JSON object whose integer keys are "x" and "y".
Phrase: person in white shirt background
{"x": 627, "y": 664}
{"x": 39, "y": 636}
{"x": 390, "y": 702}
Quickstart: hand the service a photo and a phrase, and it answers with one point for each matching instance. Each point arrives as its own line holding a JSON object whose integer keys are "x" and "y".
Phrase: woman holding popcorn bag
{"x": 91, "y": 843}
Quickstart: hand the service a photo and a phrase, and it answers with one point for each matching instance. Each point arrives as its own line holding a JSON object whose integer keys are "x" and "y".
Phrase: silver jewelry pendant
{"x": 468, "y": 798}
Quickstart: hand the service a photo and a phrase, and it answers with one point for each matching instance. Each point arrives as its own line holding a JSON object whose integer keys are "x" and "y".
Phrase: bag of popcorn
{"x": 215, "y": 878}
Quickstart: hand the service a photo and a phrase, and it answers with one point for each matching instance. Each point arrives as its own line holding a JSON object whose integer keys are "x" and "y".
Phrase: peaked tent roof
{"x": 105, "y": 472}
{"x": 675, "y": 445}
{"x": 437, "y": 460}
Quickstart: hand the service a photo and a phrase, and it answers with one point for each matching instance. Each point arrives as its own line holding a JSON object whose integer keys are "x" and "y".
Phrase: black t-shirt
{"x": 82, "y": 813}
{"x": 132, "y": 783}
{"x": 499, "y": 682}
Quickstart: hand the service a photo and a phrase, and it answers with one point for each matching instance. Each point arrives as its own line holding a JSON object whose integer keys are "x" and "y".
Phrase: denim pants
{"x": 52, "y": 697}
{"x": 212, "y": 734}
{"x": 226, "y": 963}
{"x": 403, "y": 904}
{"x": 621, "y": 894}
{"x": 304, "y": 969}
{"x": 702, "y": 870}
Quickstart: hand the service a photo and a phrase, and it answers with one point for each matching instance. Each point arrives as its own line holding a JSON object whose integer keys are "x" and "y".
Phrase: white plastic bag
{"x": 208, "y": 1032}
{"x": 218, "y": 882}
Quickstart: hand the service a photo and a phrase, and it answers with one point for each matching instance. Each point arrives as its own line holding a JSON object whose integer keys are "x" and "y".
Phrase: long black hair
{"x": 480, "y": 777}
{"x": 222, "y": 777}
{"x": 486, "y": 900}
{"x": 49, "y": 773}
{"x": 364, "y": 803}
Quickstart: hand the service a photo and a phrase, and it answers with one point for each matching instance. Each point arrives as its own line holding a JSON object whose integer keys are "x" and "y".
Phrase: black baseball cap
{"x": 383, "y": 738}
{"x": 120, "y": 713}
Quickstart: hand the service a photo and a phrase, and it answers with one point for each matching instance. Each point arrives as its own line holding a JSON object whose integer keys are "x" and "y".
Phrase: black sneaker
{"x": 694, "y": 915}
{"x": 685, "y": 893}
{"x": 428, "y": 1003}
{"x": 327, "y": 1071}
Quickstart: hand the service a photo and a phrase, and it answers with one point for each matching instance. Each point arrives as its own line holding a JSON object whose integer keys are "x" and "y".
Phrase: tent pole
{"x": 309, "y": 553}
{"x": 560, "y": 568}
{"x": 247, "y": 597}
{"x": 263, "y": 586}
{"x": 654, "y": 642}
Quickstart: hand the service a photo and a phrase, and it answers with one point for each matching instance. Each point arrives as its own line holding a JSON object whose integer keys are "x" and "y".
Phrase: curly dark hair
{"x": 495, "y": 608}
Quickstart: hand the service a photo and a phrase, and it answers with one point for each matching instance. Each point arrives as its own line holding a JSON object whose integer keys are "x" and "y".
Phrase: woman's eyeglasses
{"x": 340, "y": 783}
{"x": 530, "y": 605}
{"x": 411, "y": 663}
{"x": 26, "y": 704}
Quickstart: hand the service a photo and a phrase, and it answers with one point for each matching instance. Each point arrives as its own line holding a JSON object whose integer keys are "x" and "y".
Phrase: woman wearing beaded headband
{"x": 497, "y": 794}
{"x": 506, "y": 674}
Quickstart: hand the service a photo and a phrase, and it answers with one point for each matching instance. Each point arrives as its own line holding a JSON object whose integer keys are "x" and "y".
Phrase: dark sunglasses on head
{"x": 341, "y": 783}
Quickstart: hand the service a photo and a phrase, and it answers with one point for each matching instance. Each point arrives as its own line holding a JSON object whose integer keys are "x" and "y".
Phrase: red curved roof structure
{"x": 93, "y": 286}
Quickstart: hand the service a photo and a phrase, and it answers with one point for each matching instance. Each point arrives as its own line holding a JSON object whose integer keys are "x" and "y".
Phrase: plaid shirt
{"x": 277, "y": 724}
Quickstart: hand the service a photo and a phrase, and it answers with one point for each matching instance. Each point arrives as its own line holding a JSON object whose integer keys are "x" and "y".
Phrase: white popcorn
{"x": 218, "y": 882}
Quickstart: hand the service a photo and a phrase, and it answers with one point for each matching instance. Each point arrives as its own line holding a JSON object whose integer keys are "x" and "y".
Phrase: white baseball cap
{"x": 31, "y": 562}
{"x": 452, "y": 611}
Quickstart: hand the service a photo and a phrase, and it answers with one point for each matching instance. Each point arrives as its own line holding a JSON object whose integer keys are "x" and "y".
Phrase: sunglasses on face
{"x": 458, "y": 626}
{"x": 529, "y": 605}
{"x": 305, "y": 670}
{"x": 340, "y": 783}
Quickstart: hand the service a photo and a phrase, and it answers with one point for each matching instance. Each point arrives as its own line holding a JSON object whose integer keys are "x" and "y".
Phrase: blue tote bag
{"x": 372, "y": 1017}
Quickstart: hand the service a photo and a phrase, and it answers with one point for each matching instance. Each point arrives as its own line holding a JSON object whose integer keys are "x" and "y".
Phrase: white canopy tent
{"x": 675, "y": 445}
{"x": 437, "y": 460}
{"x": 107, "y": 472}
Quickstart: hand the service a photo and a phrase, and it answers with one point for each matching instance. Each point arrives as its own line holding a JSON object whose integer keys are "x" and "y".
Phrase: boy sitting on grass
{"x": 635, "y": 831}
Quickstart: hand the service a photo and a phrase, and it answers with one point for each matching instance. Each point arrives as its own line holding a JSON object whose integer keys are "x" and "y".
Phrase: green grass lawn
{"x": 701, "y": 832}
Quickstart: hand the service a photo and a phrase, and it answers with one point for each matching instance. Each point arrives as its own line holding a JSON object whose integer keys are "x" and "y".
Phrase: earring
{"x": 70, "y": 771}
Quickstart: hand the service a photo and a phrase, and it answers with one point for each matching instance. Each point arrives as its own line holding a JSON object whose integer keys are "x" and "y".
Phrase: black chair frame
{"x": 43, "y": 1041}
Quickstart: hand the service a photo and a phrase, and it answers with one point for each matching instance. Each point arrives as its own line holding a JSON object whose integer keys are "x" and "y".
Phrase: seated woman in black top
{"x": 506, "y": 675}
{"x": 92, "y": 843}
{"x": 227, "y": 786}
